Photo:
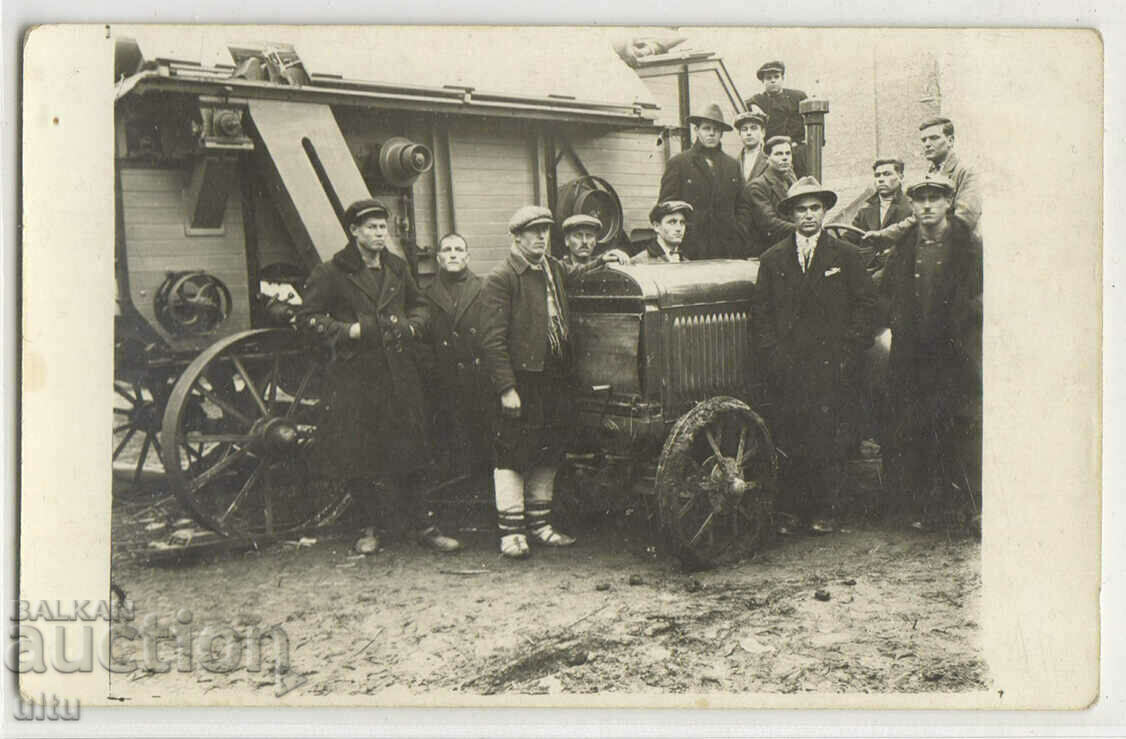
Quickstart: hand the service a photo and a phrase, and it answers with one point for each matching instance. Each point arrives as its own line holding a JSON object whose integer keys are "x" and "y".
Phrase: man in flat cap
{"x": 580, "y": 236}
{"x": 937, "y": 137}
{"x": 781, "y": 107}
{"x": 933, "y": 285}
{"x": 760, "y": 222}
{"x": 459, "y": 383}
{"x": 751, "y": 126}
{"x": 813, "y": 310}
{"x": 670, "y": 220}
{"x": 364, "y": 303}
{"x": 710, "y": 180}
{"x": 528, "y": 357}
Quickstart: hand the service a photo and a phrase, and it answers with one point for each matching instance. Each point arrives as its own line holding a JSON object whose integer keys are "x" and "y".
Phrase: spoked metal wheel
{"x": 137, "y": 408}
{"x": 715, "y": 483}
{"x": 239, "y": 431}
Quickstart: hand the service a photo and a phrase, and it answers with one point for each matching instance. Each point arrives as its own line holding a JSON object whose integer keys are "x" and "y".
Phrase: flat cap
{"x": 935, "y": 121}
{"x": 755, "y": 114}
{"x": 668, "y": 207}
{"x": 804, "y": 187}
{"x": 581, "y": 219}
{"x": 528, "y": 216}
{"x": 933, "y": 181}
{"x": 774, "y": 141}
{"x": 361, "y": 209}
{"x": 770, "y": 67}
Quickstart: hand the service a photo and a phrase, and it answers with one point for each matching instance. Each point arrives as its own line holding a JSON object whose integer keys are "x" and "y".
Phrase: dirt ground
{"x": 871, "y": 608}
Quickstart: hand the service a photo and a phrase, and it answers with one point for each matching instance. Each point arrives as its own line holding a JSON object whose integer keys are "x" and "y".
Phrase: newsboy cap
{"x": 579, "y": 220}
{"x": 804, "y": 187}
{"x": 710, "y": 113}
{"x": 755, "y": 114}
{"x": 362, "y": 209}
{"x": 528, "y": 216}
{"x": 933, "y": 181}
{"x": 667, "y": 208}
{"x": 770, "y": 67}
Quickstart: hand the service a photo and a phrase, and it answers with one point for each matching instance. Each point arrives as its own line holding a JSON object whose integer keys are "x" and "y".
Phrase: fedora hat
{"x": 803, "y": 187}
{"x": 711, "y": 113}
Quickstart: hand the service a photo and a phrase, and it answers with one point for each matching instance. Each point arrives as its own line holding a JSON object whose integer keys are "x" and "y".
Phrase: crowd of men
{"x": 496, "y": 354}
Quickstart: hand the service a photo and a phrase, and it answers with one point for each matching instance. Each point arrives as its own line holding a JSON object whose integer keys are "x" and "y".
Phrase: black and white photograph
{"x": 556, "y": 364}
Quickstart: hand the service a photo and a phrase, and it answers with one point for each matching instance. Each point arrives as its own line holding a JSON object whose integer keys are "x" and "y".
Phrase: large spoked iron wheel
{"x": 715, "y": 483}
{"x": 137, "y": 408}
{"x": 239, "y": 433}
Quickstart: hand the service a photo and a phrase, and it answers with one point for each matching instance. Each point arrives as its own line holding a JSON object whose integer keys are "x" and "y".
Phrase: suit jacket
{"x": 375, "y": 416}
{"x": 868, "y": 217}
{"x": 782, "y": 109}
{"x": 514, "y": 299}
{"x": 712, "y": 231}
{"x": 758, "y": 217}
{"x": 810, "y": 327}
{"x": 652, "y": 254}
{"x": 761, "y": 164}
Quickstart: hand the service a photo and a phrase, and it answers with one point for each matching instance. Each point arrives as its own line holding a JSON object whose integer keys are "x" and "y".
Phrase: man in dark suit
{"x": 528, "y": 357}
{"x": 781, "y": 107}
{"x": 459, "y": 384}
{"x": 933, "y": 285}
{"x": 757, "y": 214}
{"x": 710, "y": 180}
{"x": 887, "y": 206}
{"x": 364, "y": 303}
{"x": 751, "y": 126}
{"x": 813, "y": 309}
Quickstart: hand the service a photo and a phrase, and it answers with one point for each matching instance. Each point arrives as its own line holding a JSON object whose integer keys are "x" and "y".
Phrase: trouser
{"x": 524, "y": 504}
{"x": 404, "y": 496}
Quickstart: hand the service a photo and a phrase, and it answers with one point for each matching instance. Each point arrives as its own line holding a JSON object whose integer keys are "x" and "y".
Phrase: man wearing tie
{"x": 813, "y": 311}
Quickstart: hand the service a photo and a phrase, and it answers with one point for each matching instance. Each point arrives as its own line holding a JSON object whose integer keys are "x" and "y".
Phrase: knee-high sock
{"x": 541, "y": 490}
{"x": 510, "y": 501}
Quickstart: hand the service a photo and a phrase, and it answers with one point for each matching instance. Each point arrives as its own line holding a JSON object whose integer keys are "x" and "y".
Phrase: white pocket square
{"x": 833, "y": 271}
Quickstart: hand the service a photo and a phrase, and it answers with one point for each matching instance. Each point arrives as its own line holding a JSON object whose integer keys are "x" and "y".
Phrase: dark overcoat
{"x": 868, "y": 217}
{"x": 949, "y": 343}
{"x": 461, "y": 390}
{"x": 809, "y": 329}
{"x": 515, "y": 318}
{"x": 374, "y": 423}
{"x": 760, "y": 222}
{"x": 712, "y": 231}
{"x": 652, "y": 253}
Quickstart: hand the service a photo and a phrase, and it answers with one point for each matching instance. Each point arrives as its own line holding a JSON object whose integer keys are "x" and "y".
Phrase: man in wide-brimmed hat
{"x": 933, "y": 285}
{"x": 710, "y": 180}
{"x": 781, "y": 107}
{"x": 813, "y": 313}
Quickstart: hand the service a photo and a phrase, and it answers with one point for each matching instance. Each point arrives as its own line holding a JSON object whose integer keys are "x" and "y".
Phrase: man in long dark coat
{"x": 528, "y": 355}
{"x": 364, "y": 303}
{"x": 933, "y": 286}
{"x": 460, "y": 384}
{"x": 710, "y": 180}
{"x": 813, "y": 309}
{"x": 760, "y": 221}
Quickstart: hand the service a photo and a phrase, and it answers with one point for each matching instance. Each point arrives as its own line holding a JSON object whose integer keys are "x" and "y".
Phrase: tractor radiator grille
{"x": 709, "y": 354}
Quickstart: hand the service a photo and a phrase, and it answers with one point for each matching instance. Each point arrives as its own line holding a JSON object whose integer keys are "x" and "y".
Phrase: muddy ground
{"x": 898, "y": 612}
